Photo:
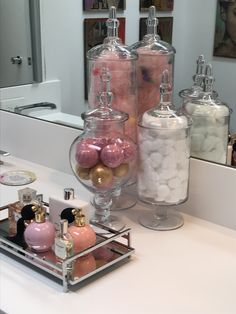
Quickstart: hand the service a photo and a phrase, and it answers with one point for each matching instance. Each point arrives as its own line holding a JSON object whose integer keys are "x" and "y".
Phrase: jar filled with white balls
{"x": 164, "y": 151}
{"x": 210, "y": 128}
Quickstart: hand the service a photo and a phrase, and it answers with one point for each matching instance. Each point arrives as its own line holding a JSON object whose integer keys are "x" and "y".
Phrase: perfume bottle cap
{"x": 79, "y": 217}
{"x": 69, "y": 194}
{"x": 39, "y": 214}
{"x": 63, "y": 226}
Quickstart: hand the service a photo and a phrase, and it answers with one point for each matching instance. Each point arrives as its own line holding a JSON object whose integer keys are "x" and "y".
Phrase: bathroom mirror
{"x": 63, "y": 57}
{"x": 20, "y": 42}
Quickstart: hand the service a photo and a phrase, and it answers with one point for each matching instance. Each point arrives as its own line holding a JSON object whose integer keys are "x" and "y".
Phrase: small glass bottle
{"x": 26, "y": 196}
{"x": 40, "y": 234}
{"x": 82, "y": 234}
{"x": 63, "y": 242}
{"x": 154, "y": 56}
{"x": 121, "y": 64}
{"x": 163, "y": 137}
{"x": 210, "y": 128}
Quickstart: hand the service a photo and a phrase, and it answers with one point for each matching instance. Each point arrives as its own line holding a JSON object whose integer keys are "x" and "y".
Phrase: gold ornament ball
{"x": 83, "y": 173}
{"x": 121, "y": 171}
{"x": 101, "y": 176}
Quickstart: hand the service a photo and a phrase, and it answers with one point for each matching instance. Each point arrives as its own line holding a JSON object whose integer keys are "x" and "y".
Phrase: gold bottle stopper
{"x": 79, "y": 217}
{"x": 40, "y": 215}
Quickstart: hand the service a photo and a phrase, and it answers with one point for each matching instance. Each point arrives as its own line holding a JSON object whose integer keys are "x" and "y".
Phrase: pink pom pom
{"x": 86, "y": 155}
{"x": 129, "y": 151}
{"x": 112, "y": 155}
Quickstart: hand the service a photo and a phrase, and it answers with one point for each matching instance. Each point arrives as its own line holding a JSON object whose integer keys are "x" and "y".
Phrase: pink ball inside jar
{"x": 129, "y": 151}
{"x": 86, "y": 155}
{"x": 112, "y": 155}
{"x": 100, "y": 142}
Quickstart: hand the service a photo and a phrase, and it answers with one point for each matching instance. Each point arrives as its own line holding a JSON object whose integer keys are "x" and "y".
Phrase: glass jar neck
{"x": 104, "y": 127}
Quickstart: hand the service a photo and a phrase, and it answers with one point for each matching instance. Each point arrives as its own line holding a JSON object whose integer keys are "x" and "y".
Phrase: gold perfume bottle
{"x": 25, "y": 196}
{"x": 63, "y": 242}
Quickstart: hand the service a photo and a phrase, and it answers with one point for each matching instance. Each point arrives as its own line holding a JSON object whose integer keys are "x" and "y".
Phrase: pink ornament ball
{"x": 86, "y": 156}
{"x": 129, "y": 151}
{"x": 100, "y": 142}
{"x": 112, "y": 155}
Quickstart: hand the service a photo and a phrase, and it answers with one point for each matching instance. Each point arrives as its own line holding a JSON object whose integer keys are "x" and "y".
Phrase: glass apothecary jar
{"x": 154, "y": 56}
{"x": 164, "y": 150}
{"x": 103, "y": 158}
{"x": 121, "y": 63}
{"x": 210, "y": 128}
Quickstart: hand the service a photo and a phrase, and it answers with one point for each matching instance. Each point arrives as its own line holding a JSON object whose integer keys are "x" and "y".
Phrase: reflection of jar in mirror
{"x": 210, "y": 128}
{"x": 154, "y": 56}
{"x": 121, "y": 64}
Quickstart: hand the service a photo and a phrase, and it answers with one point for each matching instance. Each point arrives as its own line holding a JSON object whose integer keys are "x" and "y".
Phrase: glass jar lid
{"x": 151, "y": 41}
{"x": 112, "y": 48}
{"x": 164, "y": 115}
{"x": 105, "y": 112}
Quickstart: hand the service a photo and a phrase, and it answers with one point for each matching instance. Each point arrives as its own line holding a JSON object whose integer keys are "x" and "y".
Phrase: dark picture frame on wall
{"x": 103, "y": 5}
{"x": 161, "y": 5}
{"x": 95, "y": 31}
{"x": 225, "y": 30}
{"x": 164, "y": 28}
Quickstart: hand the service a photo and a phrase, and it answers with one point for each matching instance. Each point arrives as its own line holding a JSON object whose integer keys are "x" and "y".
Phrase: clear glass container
{"x": 154, "y": 56}
{"x": 210, "y": 128}
{"x": 164, "y": 150}
{"x": 103, "y": 158}
{"x": 121, "y": 63}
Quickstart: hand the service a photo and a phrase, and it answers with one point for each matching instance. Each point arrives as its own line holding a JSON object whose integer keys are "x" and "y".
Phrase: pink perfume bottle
{"x": 82, "y": 234}
{"x": 40, "y": 234}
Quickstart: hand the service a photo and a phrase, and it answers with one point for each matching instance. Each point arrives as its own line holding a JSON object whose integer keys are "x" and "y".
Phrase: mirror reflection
{"x": 60, "y": 97}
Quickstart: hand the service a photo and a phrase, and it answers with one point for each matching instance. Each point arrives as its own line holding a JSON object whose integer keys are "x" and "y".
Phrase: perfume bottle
{"x": 63, "y": 242}
{"x": 82, "y": 234}
{"x": 40, "y": 234}
{"x": 57, "y": 205}
{"x": 25, "y": 196}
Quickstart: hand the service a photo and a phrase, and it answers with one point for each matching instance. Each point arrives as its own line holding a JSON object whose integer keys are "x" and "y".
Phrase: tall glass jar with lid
{"x": 154, "y": 56}
{"x": 164, "y": 147}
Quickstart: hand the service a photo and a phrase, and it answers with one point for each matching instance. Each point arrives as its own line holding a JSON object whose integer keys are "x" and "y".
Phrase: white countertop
{"x": 188, "y": 270}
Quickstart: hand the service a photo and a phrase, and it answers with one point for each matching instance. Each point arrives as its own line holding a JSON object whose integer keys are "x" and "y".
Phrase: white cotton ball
{"x": 183, "y": 174}
{"x": 147, "y": 146}
{"x": 169, "y": 162}
{"x": 209, "y": 143}
{"x": 163, "y": 191}
{"x": 196, "y": 142}
{"x": 174, "y": 182}
{"x": 190, "y": 108}
{"x": 155, "y": 159}
{"x": 167, "y": 174}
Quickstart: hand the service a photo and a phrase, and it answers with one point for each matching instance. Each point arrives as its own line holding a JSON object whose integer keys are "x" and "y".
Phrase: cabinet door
{"x": 15, "y": 43}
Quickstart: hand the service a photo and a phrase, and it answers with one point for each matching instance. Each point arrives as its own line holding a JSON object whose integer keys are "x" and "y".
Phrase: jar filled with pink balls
{"x": 103, "y": 158}
{"x": 121, "y": 63}
{"x": 154, "y": 56}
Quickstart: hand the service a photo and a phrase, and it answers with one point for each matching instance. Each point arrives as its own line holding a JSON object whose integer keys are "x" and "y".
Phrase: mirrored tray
{"x": 111, "y": 248}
